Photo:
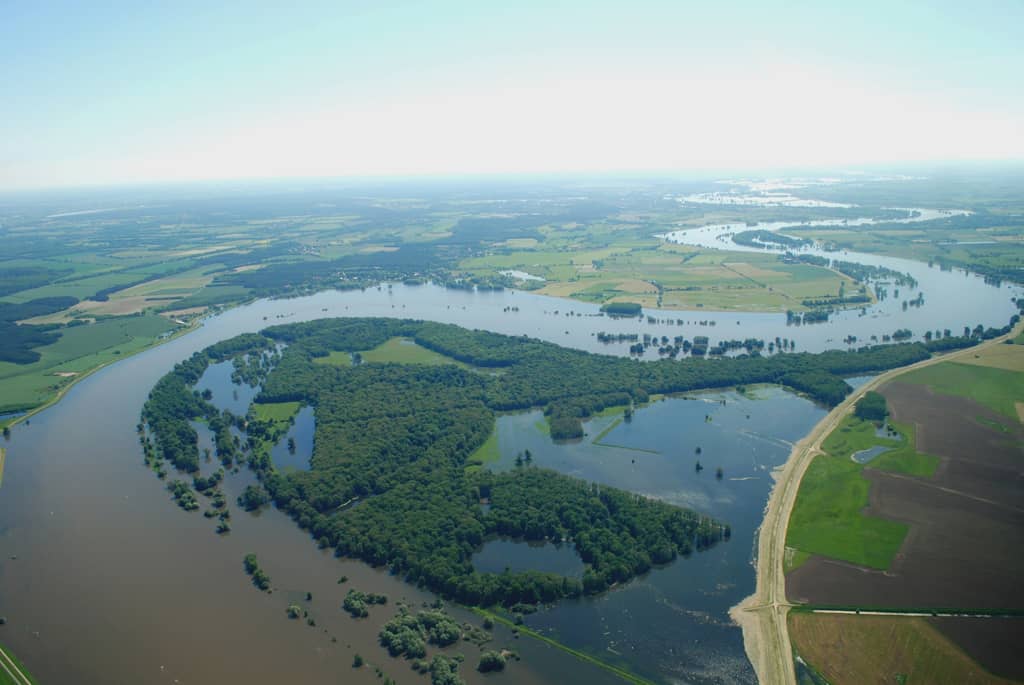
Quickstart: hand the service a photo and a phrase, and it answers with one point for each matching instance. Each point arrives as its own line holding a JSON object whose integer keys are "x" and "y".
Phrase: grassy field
{"x": 11, "y": 662}
{"x": 1009, "y": 357}
{"x": 828, "y": 519}
{"x": 405, "y": 351}
{"x": 882, "y": 649}
{"x": 656, "y": 274}
{"x": 79, "y": 350}
{"x": 156, "y": 293}
{"x": 276, "y": 411}
{"x": 335, "y": 358}
{"x": 80, "y": 288}
{"x": 212, "y": 295}
{"x": 855, "y": 435}
{"x": 794, "y": 559}
{"x": 996, "y": 388}
{"x": 486, "y": 453}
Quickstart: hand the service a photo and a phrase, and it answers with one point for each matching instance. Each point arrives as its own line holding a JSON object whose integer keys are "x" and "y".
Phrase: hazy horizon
{"x": 127, "y": 94}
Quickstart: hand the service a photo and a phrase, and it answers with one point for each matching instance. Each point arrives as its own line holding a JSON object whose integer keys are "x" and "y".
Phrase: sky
{"x": 114, "y": 93}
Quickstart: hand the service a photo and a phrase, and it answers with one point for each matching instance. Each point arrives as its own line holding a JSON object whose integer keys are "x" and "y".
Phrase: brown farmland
{"x": 994, "y": 643}
{"x": 966, "y": 522}
{"x": 864, "y": 650}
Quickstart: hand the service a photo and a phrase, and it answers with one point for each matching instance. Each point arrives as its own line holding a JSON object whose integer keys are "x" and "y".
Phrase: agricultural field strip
{"x": 922, "y": 614}
{"x": 958, "y": 493}
{"x": 763, "y": 615}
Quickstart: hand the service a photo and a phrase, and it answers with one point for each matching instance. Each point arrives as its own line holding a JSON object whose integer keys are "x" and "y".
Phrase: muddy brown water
{"x": 104, "y": 580}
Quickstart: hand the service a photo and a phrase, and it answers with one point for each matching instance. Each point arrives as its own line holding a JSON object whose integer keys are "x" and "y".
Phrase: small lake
{"x": 500, "y": 555}
{"x": 868, "y": 455}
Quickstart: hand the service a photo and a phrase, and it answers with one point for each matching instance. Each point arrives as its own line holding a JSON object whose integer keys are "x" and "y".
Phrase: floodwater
{"x": 518, "y": 555}
{"x": 952, "y": 299}
{"x": 235, "y": 397}
{"x": 104, "y": 580}
{"x": 301, "y": 434}
{"x": 672, "y": 624}
{"x": 521, "y": 275}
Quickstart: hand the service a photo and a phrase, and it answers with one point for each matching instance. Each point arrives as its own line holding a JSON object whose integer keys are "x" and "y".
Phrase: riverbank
{"x": 763, "y": 615}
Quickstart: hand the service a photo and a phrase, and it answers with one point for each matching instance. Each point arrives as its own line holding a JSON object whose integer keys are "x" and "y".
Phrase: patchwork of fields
{"x": 942, "y": 535}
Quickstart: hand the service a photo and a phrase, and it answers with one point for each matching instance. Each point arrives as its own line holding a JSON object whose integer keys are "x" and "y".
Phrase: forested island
{"x": 397, "y": 438}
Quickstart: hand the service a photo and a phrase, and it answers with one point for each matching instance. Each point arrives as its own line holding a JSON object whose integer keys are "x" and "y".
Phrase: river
{"x": 104, "y": 580}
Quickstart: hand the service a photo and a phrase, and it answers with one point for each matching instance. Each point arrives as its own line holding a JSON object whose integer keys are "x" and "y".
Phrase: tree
{"x": 491, "y": 661}
{"x": 357, "y": 661}
{"x": 871, "y": 407}
{"x": 252, "y": 498}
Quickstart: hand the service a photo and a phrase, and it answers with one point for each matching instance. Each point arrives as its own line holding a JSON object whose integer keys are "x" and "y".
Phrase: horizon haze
{"x": 127, "y": 94}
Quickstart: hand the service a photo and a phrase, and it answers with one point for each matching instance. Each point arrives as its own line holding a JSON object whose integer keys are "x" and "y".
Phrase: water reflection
{"x": 673, "y": 623}
{"x": 500, "y": 555}
{"x": 294, "y": 450}
{"x": 226, "y": 394}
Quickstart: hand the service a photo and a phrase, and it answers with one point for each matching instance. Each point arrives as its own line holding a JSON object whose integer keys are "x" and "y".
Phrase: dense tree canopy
{"x": 388, "y": 482}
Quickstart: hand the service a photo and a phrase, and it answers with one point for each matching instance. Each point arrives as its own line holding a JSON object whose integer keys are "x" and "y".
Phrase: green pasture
{"x": 275, "y": 411}
{"x": 405, "y": 351}
{"x": 995, "y": 388}
{"x": 335, "y": 358}
{"x": 79, "y": 350}
{"x": 828, "y": 517}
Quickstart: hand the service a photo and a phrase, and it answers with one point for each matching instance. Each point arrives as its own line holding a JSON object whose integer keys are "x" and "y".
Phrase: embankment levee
{"x": 762, "y": 616}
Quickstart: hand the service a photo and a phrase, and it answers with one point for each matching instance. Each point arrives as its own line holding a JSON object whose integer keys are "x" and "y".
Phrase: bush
{"x": 871, "y": 407}
{"x": 491, "y": 661}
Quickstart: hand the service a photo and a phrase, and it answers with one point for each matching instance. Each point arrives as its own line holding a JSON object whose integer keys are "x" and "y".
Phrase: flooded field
{"x": 672, "y": 625}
